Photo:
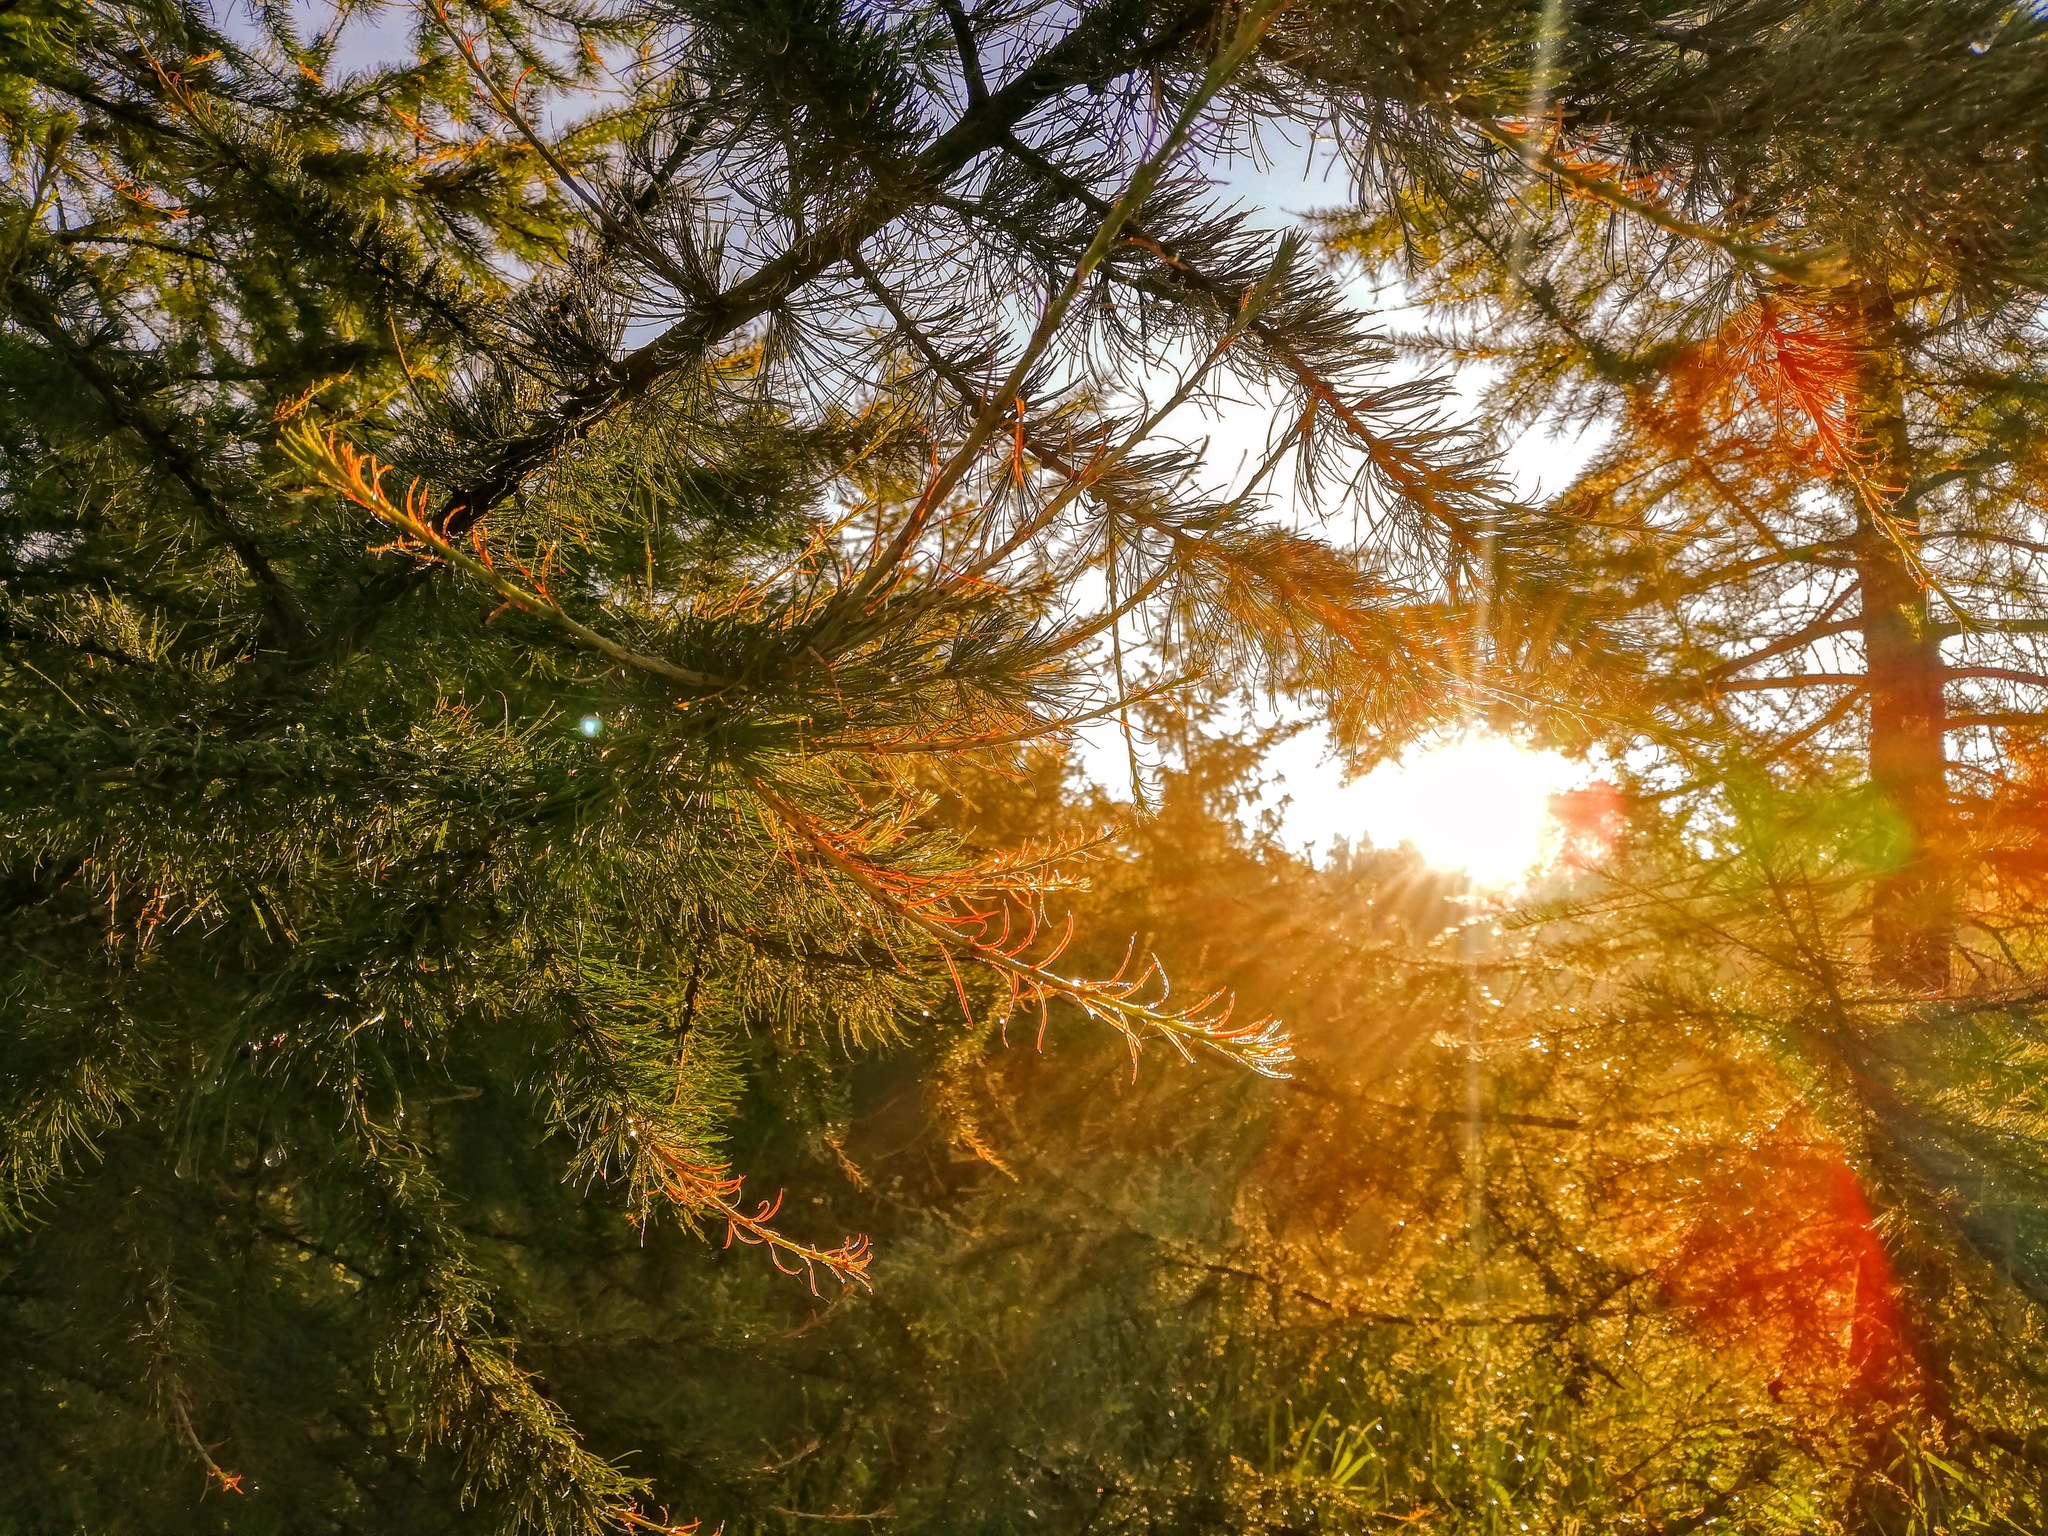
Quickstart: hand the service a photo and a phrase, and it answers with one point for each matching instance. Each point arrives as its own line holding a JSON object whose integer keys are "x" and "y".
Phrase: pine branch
{"x": 1798, "y": 640}
{"x": 334, "y": 465}
{"x": 1797, "y": 680}
{"x": 1823, "y": 267}
{"x": 1416, "y": 480}
{"x": 936, "y": 909}
{"x": 1079, "y": 58}
{"x": 168, "y": 451}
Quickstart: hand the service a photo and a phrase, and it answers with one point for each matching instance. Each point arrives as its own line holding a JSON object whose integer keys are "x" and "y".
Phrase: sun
{"x": 1478, "y": 804}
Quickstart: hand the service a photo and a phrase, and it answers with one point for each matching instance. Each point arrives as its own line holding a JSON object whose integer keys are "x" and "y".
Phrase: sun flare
{"x": 1478, "y": 804}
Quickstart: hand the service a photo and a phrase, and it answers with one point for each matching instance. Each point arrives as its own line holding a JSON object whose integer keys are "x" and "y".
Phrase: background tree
{"x": 1529, "y": 1237}
{"x": 1793, "y": 256}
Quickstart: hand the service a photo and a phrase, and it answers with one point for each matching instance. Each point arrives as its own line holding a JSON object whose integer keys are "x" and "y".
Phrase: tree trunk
{"x": 1913, "y": 915}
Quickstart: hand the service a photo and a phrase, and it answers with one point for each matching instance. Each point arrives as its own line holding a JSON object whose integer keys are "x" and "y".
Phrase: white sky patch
{"x": 1476, "y": 804}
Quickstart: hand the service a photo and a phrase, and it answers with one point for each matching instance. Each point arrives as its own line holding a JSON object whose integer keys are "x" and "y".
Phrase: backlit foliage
{"x": 555, "y": 978}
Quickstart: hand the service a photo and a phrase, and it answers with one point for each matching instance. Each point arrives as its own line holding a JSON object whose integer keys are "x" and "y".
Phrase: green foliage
{"x": 758, "y": 385}
{"x": 534, "y": 578}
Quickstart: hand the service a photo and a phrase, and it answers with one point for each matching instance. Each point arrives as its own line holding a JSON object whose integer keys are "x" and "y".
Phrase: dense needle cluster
{"x": 502, "y": 546}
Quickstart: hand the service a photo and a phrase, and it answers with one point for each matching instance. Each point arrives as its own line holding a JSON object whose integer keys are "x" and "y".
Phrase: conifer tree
{"x": 497, "y": 546}
{"x": 1793, "y": 256}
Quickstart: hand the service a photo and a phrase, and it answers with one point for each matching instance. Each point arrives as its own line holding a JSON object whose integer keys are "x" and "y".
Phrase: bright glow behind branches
{"x": 1479, "y": 804}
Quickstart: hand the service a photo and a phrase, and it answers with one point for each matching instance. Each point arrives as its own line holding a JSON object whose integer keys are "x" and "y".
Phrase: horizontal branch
{"x": 1792, "y": 642}
{"x": 1997, "y": 674}
{"x": 1993, "y": 717}
{"x": 1796, "y": 680}
{"x": 1820, "y": 267}
{"x": 1949, "y": 630}
{"x": 1982, "y": 536}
